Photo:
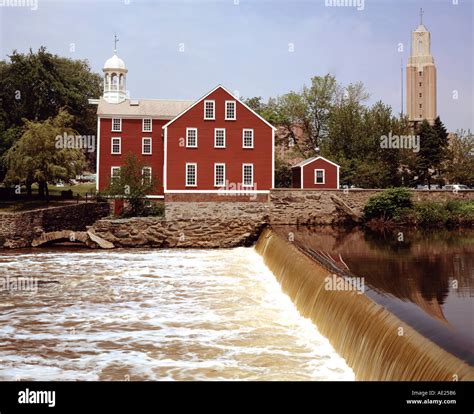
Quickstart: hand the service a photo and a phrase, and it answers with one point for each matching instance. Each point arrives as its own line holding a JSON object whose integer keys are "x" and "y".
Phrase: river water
{"x": 154, "y": 315}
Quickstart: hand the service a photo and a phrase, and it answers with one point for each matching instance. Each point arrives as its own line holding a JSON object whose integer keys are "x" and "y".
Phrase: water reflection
{"x": 433, "y": 270}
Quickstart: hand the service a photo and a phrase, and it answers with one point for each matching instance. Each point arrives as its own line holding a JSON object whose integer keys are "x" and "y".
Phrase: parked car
{"x": 425, "y": 187}
{"x": 455, "y": 187}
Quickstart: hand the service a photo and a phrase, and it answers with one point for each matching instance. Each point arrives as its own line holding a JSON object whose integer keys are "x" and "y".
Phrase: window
{"x": 219, "y": 138}
{"x": 209, "y": 110}
{"x": 146, "y": 146}
{"x": 146, "y": 175}
{"x": 146, "y": 125}
{"x": 421, "y": 106}
{"x": 230, "y": 110}
{"x": 420, "y": 95}
{"x": 219, "y": 175}
{"x": 116, "y": 145}
{"x": 191, "y": 175}
{"x": 247, "y": 175}
{"x": 116, "y": 124}
{"x": 247, "y": 137}
{"x": 191, "y": 137}
{"x": 319, "y": 176}
{"x": 114, "y": 174}
{"x": 420, "y": 73}
{"x": 420, "y": 83}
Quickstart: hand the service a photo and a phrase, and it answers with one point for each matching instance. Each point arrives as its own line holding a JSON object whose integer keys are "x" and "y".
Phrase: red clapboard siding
{"x": 205, "y": 155}
{"x": 320, "y": 164}
{"x": 131, "y": 143}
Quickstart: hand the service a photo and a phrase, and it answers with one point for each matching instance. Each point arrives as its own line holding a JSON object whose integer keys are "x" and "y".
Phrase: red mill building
{"x": 198, "y": 149}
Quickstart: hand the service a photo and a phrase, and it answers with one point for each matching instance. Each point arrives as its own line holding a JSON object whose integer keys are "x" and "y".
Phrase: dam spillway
{"x": 376, "y": 343}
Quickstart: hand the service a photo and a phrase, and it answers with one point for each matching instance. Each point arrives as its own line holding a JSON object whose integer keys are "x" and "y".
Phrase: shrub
{"x": 388, "y": 204}
{"x": 431, "y": 214}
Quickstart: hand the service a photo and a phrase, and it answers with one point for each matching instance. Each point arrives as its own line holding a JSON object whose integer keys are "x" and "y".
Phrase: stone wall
{"x": 155, "y": 232}
{"x": 19, "y": 229}
{"x": 296, "y": 206}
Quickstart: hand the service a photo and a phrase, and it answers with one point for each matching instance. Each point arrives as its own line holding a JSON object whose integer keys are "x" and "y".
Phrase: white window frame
{"x": 243, "y": 138}
{"x": 143, "y": 146}
{"x": 216, "y": 184}
{"x": 143, "y": 175}
{"x": 213, "y": 109}
{"x": 243, "y": 175}
{"x": 227, "y": 118}
{"x": 112, "y": 172}
{"x": 316, "y": 176}
{"x": 143, "y": 125}
{"x": 113, "y": 124}
{"x": 215, "y": 137}
{"x": 187, "y": 131}
{"x": 195, "y": 174}
{"x": 112, "y": 146}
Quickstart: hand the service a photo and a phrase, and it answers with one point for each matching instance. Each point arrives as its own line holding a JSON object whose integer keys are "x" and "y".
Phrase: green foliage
{"x": 153, "y": 209}
{"x": 283, "y": 174}
{"x": 459, "y": 165}
{"x": 132, "y": 185}
{"x": 34, "y": 158}
{"x": 35, "y": 86}
{"x": 387, "y": 204}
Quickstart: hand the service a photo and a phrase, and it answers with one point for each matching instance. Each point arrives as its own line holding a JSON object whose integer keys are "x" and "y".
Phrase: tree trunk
{"x": 28, "y": 188}
{"x": 41, "y": 189}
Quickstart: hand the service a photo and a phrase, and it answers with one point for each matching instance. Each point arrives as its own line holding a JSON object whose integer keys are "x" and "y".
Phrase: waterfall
{"x": 374, "y": 342}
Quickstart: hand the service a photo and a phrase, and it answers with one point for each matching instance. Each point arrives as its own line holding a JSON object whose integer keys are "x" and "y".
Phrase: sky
{"x": 182, "y": 49}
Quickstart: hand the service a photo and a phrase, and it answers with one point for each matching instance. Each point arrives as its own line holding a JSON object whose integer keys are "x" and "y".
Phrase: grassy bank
{"x": 395, "y": 207}
{"x": 22, "y": 203}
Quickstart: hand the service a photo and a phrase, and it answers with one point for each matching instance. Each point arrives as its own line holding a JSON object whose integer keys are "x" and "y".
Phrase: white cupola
{"x": 115, "y": 74}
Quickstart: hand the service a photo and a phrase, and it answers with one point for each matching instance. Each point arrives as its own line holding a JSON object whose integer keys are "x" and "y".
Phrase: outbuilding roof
{"x": 309, "y": 160}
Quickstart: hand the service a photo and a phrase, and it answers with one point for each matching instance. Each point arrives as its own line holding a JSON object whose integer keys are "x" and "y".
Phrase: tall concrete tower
{"x": 421, "y": 77}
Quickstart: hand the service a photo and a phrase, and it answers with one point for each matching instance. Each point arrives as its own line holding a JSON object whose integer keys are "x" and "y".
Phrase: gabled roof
{"x": 309, "y": 160}
{"x": 155, "y": 108}
{"x": 206, "y": 95}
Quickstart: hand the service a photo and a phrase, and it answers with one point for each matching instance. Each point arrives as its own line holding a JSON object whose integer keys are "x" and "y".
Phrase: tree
{"x": 35, "y": 86}
{"x": 459, "y": 164}
{"x": 305, "y": 114}
{"x": 433, "y": 144}
{"x": 283, "y": 174}
{"x": 133, "y": 184}
{"x": 36, "y": 157}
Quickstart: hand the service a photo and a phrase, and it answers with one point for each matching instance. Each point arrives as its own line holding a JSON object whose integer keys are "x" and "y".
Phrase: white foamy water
{"x": 156, "y": 315}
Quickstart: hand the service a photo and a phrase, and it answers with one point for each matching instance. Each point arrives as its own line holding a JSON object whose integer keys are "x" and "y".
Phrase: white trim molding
{"x": 244, "y": 130}
{"x": 316, "y": 170}
{"x": 116, "y": 130}
{"x": 242, "y": 192}
{"x": 234, "y": 118}
{"x": 215, "y": 138}
{"x": 196, "y": 137}
{"x": 97, "y": 162}
{"x": 273, "y": 158}
{"x": 143, "y": 125}
{"x": 219, "y": 164}
{"x": 165, "y": 158}
{"x": 243, "y": 175}
{"x": 143, "y": 146}
{"x": 195, "y": 174}
{"x": 213, "y": 102}
{"x": 210, "y": 92}
{"x": 112, "y": 146}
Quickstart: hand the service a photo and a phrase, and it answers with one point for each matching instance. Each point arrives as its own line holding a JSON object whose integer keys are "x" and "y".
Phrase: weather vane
{"x": 115, "y": 42}
{"x": 421, "y": 16}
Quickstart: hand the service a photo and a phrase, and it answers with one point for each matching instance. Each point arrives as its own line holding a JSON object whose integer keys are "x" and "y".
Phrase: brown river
{"x": 154, "y": 315}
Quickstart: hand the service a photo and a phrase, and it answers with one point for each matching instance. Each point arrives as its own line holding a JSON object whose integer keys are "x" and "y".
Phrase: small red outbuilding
{"x": 315, "y": 172}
